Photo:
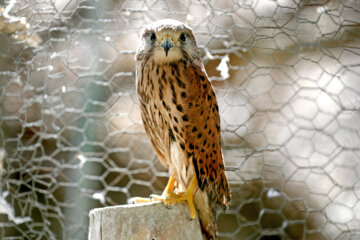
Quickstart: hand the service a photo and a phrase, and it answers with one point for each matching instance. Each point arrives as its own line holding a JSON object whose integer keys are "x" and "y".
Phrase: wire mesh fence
{"x": 287, "y": 78}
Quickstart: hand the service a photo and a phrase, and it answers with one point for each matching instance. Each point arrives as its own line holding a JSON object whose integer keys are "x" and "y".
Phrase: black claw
{"x": 168, "y": 206}
{"x": 153, "y": 196}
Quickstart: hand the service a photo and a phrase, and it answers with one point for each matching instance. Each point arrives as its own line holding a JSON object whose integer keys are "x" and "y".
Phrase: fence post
{"x": 142, "y": 222}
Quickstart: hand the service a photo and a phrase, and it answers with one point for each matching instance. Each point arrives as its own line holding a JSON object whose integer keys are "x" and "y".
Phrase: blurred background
{"x": 287, "y": 78}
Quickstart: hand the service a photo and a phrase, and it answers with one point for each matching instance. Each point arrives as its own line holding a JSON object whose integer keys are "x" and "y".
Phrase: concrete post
{"x": 142, "y": 222}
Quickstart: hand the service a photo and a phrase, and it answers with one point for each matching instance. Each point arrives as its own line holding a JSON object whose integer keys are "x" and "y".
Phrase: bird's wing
{"x": 202, "y": 132}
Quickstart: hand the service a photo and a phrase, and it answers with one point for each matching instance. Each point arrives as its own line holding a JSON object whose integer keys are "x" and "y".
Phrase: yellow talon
{"x": 168, "y": 197}
{"x": 170, "y": 186}
{"x": 188, "y": 197}
{"x": 168, "y": 191}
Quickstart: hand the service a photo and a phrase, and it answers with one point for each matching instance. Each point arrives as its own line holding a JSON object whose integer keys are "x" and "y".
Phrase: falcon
{"x": 181, "y": 118}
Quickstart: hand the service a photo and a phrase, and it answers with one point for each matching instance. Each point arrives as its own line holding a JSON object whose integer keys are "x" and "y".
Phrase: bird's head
{"x": 167, "y": 41}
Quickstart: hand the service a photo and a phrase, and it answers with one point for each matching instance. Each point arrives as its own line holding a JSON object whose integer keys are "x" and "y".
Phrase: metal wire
{"x": 286, "y": 74}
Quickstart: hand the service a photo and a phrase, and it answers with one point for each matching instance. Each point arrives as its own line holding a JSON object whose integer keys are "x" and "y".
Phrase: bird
{"x": 180, "y": 114}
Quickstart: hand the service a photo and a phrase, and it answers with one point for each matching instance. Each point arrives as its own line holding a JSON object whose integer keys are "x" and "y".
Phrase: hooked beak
{"x": 167, "y": 44}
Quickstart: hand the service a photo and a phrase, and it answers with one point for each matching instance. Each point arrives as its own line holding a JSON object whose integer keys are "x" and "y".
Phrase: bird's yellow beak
{"x": 167, "y": 44}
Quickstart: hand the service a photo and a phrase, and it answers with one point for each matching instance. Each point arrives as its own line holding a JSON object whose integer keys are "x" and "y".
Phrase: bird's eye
{"x": 152, "y": 37}
{"x": 182, "y": 37}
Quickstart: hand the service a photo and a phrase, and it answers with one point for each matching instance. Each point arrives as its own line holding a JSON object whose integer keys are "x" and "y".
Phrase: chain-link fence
{"x": 287, "y": 78}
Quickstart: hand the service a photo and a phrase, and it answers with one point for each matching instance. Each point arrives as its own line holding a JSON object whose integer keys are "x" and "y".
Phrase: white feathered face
{"x": 168, "y": 41}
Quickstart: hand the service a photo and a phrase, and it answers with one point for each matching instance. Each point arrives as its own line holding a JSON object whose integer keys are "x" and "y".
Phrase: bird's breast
{"x": 162, "y": 90}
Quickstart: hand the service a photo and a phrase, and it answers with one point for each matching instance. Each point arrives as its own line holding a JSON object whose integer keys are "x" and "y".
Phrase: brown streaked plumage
{"x": 181, "y": 118}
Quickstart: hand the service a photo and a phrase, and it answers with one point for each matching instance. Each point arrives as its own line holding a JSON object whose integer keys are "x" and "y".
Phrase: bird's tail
{"x": 206, "y": 214}
{"x": 203, "y": 204}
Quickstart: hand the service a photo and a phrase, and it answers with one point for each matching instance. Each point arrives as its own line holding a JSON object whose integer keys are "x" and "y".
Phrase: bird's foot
{"x": 187, "y": 197}
{"x": 135, "y": 200}
{"x": 155, "y": 198}
{"x": 168, "y": 197}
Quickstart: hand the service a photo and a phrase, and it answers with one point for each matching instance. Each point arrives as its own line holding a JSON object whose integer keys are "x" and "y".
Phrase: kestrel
{"x": 181, "y": 118}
